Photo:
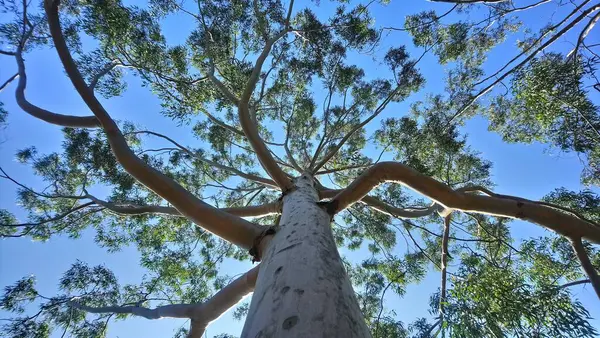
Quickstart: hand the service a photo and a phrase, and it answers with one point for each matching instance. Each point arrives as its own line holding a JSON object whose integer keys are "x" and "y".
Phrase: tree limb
{"x": 499, "y": 79}
{"x": 584, "y": 33}
{"x": 548, "y": 217}
{"x": 8, "y": 81}
{"x": 43, "y": 114}
{"x": 250, "y": 128}
{"x": 386, "y": 208}
{"x": 130, "y": 209}
{"x": 264, "y": 181}
{"x": 201, "y": 314}
{"x": 232, "y": 228}
{"x": 444, "y": 265}
{"x": 587, "y": 266}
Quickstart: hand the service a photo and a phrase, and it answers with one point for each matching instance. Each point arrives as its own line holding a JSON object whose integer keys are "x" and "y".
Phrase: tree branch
{"x": 334, "y": 151}
{"x": 233, "y": 229}
{"x": 201, "y": 314}
{"x": 499, "y": 79}
{"x": 584, "y": 33}
{"x": 130, "y": 209}
{"x": 587, "y": 266}
{"x": 43, "y": 114}
{"x": 444, "y": 265}
{"x": 386, "y": 208}
{"x": 8, "y": 81}
{"x": 264, "y": 181}
{"x": 513, "y": 207}
{"x": 250, "y": 128}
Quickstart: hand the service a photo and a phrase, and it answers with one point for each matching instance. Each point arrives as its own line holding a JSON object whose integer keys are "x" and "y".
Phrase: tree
{"x": 251, "y": 69}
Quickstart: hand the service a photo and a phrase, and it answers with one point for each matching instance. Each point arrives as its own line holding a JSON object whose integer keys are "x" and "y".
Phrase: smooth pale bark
{"x": 551, "y": 218}
{"x": 231, "y": 228}
{"x": 586, "y": 264}
{"x": 302, "y": 288}
{"x": 386, "y": 208}
{"x": 201, "y": 314}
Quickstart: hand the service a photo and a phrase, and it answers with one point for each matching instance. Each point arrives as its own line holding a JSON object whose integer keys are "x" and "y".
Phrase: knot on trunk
{"x": 254, "y": 252}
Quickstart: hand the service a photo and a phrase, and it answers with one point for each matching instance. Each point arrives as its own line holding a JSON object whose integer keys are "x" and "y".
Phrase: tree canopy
{"x": 269, "y": 90}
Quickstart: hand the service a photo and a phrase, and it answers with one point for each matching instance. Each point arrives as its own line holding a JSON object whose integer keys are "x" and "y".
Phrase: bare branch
{"x": 43, "y": 114}
{"x": 264, "y": 181}
{"x": 563, "y": 223}
{"x": 334, "y": 151}
{"x": 107, "y": 68}
{"x": 52, "y": 219}
{"x": 444, "y": 264}
{"x": 584, "y": 33}
{"x": 470, "y": 1}
{"x": 386, "y": 208}
{"x": 499, "y": 79}
{"x": 587, "y": 266}
{"x": 201, "y": 314}
{"x": 234, "y": 229}
{"x": 8, "y": 81}
{"x": 577, "y": 282}
{"x": 130, "y": 209}
{"x": 251, "y": 129}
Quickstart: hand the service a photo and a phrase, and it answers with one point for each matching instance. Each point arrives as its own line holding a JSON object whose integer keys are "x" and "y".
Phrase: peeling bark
{"x": 302, "y": 288}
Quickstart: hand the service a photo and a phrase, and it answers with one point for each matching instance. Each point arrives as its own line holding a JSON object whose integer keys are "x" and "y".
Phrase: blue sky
{"x": 529, "y": 171}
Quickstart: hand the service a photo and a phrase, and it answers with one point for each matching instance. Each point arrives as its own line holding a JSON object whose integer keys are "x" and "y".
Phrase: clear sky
{"x": 529, "y": 171}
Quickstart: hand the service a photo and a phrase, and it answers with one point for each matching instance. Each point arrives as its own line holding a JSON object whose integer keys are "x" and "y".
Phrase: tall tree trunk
{"x": 302, "y": 288}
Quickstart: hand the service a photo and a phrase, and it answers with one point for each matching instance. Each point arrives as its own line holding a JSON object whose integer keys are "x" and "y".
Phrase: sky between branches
{"x": 517, "y": 168}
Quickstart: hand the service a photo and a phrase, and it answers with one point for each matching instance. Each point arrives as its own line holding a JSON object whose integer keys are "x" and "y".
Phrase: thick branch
{"x": 251, "y": 129}
{"x": 201, "y": 314}
{"x": 234, "y": 229}
{"x": 505, "y": 206}
{"x": 43, "y": 114}
{"x": 587, "y": 266}
{"x": 386, "y": 208}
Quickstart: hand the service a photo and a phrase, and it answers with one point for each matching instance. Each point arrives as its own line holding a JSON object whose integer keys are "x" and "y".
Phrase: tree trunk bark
{"x": 302, "y": 288}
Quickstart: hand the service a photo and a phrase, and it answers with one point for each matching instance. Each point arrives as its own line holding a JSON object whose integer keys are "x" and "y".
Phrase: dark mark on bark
{"x": 278, "y": 270}
{"x": 285, "y": 290}
{"x": 300, "y": 292}
{"x": 290, "y": 322}
{"x": 519, "y": 204}
{"x": 288, "y": 247}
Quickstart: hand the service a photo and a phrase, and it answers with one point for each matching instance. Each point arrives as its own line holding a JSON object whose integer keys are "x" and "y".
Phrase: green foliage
{"x": 549, "y": 104}
{"x": 316, "y": 87}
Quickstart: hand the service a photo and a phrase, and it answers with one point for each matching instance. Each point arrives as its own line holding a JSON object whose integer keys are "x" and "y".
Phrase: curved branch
{"x": 43, "y": 114}
{"x": 53, "y": 219}
{"x": 264, "y": 181}
{"x": 386, "y": 208}
{"x": 251, "y": 129}
{"x": 233, "y": 229}
{"x": 584, "y": 33}
{"x": 587, "y": 266}
{"x": 201, "y": 314}
{"x": 505, "y": 206}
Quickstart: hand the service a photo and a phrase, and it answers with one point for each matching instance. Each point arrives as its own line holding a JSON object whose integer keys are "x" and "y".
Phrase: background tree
{"x": 277, "y": 95}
